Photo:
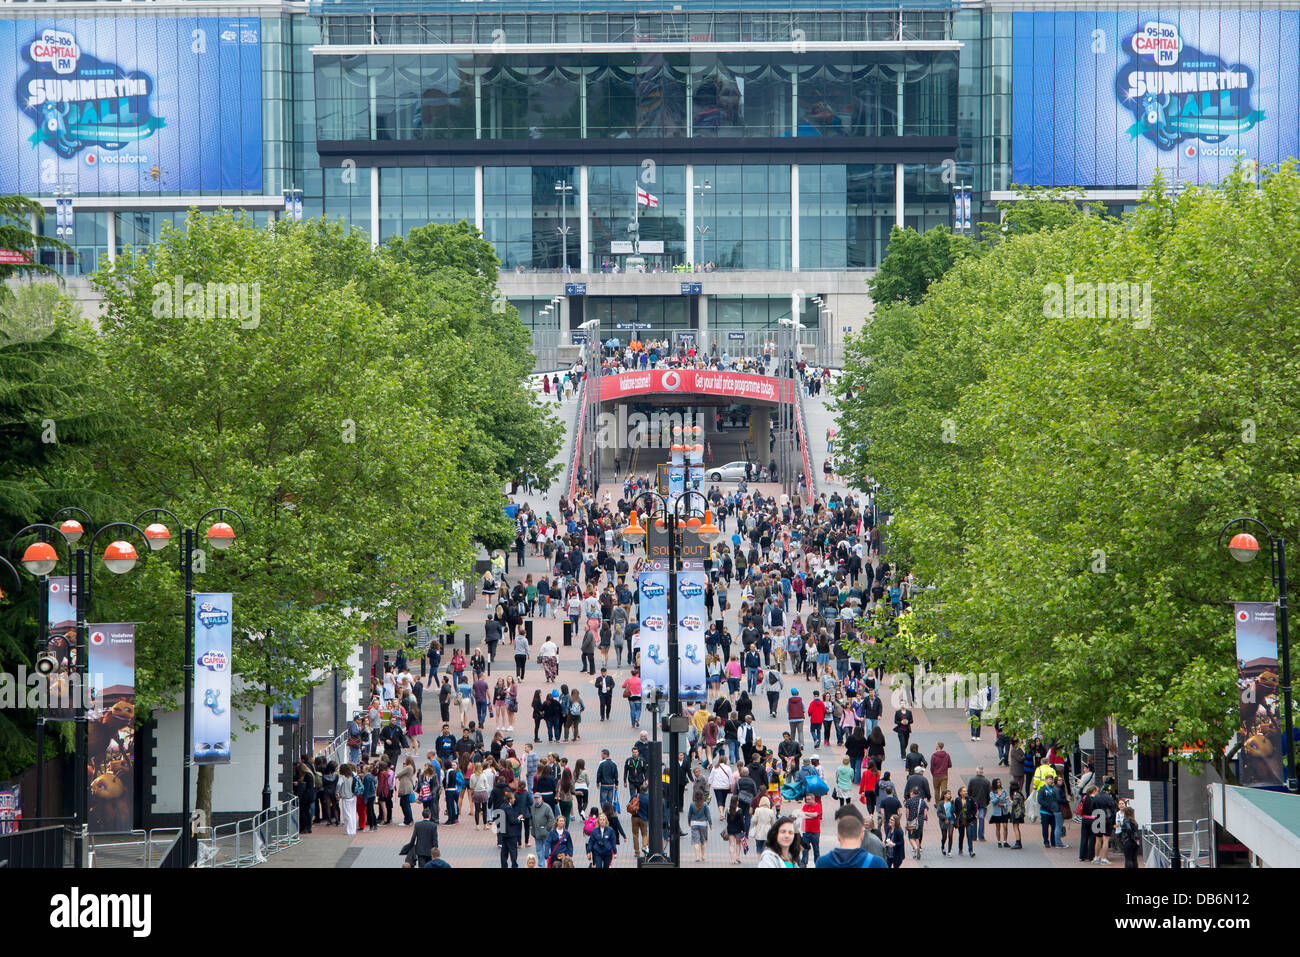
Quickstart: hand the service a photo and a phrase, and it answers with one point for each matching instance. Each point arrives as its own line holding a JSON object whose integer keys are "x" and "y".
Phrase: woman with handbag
{"x": 602, "y": 844}
{"x": 964, "y": 815}
{"x": 999, "y": 812}
{"x": 737, "y": 828}
{"x": 1017, "y": 800}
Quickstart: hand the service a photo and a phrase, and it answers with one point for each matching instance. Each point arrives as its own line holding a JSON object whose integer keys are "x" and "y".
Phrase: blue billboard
{"x": 131, "y": 105}
{"x": 1105, "y": 98}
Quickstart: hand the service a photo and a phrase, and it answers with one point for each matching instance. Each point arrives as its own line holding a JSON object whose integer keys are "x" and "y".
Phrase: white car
{"x": 731, "y": 472}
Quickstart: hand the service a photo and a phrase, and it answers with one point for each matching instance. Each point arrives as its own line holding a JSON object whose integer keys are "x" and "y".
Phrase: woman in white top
{"x": 783, "y": 845}
{"x": 549, "y": 654}
{"x": 720, "y": 780}
{"x": 347, "y": 800}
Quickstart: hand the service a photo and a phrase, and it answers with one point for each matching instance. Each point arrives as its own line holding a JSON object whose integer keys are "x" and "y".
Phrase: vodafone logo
{"x": 55, "y": 588}
{"x": 1243, "y": 616}
{"x": 672, "y": 381}
{"x": 97, "y": 638}
{"x": 91, "y": 159}
{"x": 1190, "y": 151}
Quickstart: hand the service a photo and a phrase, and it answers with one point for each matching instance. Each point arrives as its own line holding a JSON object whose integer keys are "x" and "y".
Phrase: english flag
{"x": 644, "y": 198}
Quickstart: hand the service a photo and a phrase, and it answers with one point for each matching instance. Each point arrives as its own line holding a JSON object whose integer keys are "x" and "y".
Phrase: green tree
{"x": 1062, "y": 425}
{"x": 308, "y": 409}
{"x": 915, "y": 260}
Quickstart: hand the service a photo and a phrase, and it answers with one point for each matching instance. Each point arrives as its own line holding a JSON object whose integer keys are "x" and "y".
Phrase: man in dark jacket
{"x": 977, "y": 788}
{"x": 605, "y": 691}
{"x": 394, "y": 740}
{"x": 850, "y": 852}
{"x": 424, "y": 838}
{"x": 509, "y": 822}
{"x": 607, "y": 778}
{"x": 903, "y": 728}
{"x": 917, "y": 781}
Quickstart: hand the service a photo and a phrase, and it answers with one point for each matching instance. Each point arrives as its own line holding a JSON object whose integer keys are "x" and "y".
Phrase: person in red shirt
{"x": 816, "y": 716}
{"x": 812, "y": 828}
{"x": 940, "y": 763}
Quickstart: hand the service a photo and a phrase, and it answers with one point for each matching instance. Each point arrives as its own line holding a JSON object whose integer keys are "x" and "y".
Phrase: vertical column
{"x": 478, "y": 198}
{"x": 898, "y": 194}
{"x": 112, "y": 236}
{"x": 794, "y": 217}
{"x": 690, "y": 214}
{"x": 374, "y": 205}
{"x": 702, "y": 334}
{"x": 898, "y": 111}
{"x": 794, "y": 103}
{"x": 582, "y": 104}
{"x": 584, "y": 228}
{"x": 478, "y": 106}
{"x": 690, "y": 104}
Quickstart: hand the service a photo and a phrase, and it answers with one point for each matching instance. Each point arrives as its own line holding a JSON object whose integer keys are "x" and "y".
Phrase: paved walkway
{"x": 464, "y": 846}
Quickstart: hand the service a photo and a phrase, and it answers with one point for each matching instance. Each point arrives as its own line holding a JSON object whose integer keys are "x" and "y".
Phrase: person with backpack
{"x": 573, "y": 714}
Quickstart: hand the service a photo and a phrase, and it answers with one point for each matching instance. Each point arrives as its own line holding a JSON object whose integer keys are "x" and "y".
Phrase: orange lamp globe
{"x": 708, "y": 532}
{"x": 120, "y": 557}
{"x": 1243, "y": 547}
{"x": 221, "y": 535}
{"x": 634, "y": 533}
{"x": 157, "y": 535}
{"x": 72, "y": 531}
{"x": 39, "y": 558}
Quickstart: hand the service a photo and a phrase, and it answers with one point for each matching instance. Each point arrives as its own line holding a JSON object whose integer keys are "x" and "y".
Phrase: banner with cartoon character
{"x": 692, "y": 619}
{"x": 61, "y": 633}
{"x": 212, "y": 652}
{"x": 1107, "y": 97}
{"x": 653, "y": 586}
{"x": 110, "y": 721}
{"x": 1257, "y": 687}
{"x": 133, "y": 105}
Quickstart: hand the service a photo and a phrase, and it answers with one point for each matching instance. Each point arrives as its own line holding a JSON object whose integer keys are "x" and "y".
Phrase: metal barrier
{"x": 37, "y": 847}
{"x": 337, "y": 750}
{"x": 136, "y": 848}
{"x": 252, "y": 840}
{"x": 575, "y": 456}
{"x": 1193, "y": 843}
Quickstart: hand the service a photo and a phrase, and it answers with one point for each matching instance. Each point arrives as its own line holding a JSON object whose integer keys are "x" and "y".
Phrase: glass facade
{"x": 656, "y": 316}
{"x": 618, "y": 95}
{"x": 415, "y": 195}
{"x": 612, "y": 212}
{"x": 523, "y": 213}
{"x": 743, "y": 218}
{"x": 845, "y": 214}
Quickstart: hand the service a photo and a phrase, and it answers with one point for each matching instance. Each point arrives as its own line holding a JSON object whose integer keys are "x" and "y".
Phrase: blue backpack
{"x": 815, "y": 786}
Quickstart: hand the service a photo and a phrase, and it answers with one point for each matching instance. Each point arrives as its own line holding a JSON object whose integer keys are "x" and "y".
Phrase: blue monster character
{"x": 212, "y": 701}
{"x": 54, "y": 117}
{"x": 652, "y": 652}
{"x": 693, "y": 654}
{"x": 1155, "y": 116}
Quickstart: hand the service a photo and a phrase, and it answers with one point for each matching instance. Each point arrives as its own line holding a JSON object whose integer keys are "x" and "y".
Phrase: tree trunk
{"x": 203, "y": 795}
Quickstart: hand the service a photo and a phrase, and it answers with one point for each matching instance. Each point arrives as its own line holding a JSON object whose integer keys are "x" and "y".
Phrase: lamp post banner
{"x": 61, "y": 633}
{"x": 110, "y": 664}
{"x": 213, "y": 612}
{"x": 1257, "y": 687}
{"x": 653, "y": 586}
{"x": 691, "y": 619}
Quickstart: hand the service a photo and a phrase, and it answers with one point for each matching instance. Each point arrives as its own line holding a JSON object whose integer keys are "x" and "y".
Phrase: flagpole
{"x": 636, "y": 219}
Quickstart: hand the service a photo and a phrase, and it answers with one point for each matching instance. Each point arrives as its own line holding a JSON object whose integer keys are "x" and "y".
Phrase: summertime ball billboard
{"x": 1105, "y": 98}
{"x": 131, "y": 104}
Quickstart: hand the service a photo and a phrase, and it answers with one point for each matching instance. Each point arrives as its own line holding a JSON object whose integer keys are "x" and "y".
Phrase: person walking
{"x": 979, "y": 790}
{"x": 999, "y": 812}
{"x": 943, "y": 809}
{"x": 605, "y": 693}
{"x": 699, "y": 818}
{"x": 509, "y": 819}
{"x": 917, "y": 810}
{"x": 903, "y": 728}
{"x": 602, "y": 844}
{"x": 940, "y": 764}
{"x": 795, "y": 715}
{"x": 1130, "y": 840}
{"x": 963, "y": 810}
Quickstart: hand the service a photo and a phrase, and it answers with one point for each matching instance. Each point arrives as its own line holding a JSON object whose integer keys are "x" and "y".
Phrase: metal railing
{"x": 801, "y": 422}
{"x": 136, "y": 848}
{"x": 252, "y": 840}
{"x": 1193, "y": 843}
{"x": 337, "y": 749}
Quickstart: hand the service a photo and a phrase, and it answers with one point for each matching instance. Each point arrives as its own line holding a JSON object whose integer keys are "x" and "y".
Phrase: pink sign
{"x": 735, "y": 385}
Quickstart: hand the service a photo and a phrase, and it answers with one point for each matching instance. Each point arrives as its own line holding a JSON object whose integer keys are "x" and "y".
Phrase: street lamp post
{"x": 701, "y": 229}
{"x": 39, "y": 559}
{"x": 220, "y": 536}
{"x": 708, "y": 533}
{"x": 1244, "y": 547}
{"x": 590, "y": 368}
{"x": 564, "y": 189}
